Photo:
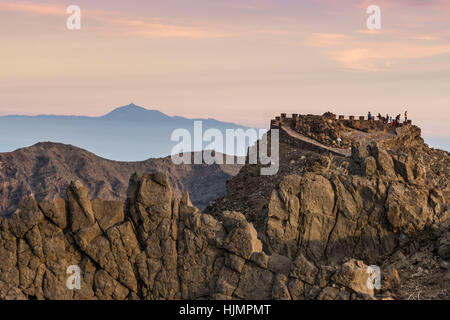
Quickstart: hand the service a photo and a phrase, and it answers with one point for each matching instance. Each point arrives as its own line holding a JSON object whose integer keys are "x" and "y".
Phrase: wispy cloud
{"x": 380, "y": 56}
{"x": 365, "y": 50}
{"x": 150, "y": 27}
{"x": 163, "y": 30}
{"x": 402, "y": 4}
{"x": 424, "y": 37}
{"x": 42, "y": 9}
{"x": 325, "y": 39}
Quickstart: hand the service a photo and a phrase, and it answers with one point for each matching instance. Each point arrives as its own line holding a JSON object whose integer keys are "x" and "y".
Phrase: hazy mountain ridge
{"x": 129, "y": 133}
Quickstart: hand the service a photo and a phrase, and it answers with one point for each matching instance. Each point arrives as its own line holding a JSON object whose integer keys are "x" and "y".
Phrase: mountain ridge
{"x": 45, "y": 170}
{"x": 128, "y": 133}
{"x": 121, "y": 111}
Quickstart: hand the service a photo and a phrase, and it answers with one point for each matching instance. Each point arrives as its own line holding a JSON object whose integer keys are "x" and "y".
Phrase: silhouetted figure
{"x": 397, "y": 120}
{"x": 387, "y": 118}
{"x": 379, "y": 116}
{"x": 406, "y": 116}
{"x": 369, "y": 116}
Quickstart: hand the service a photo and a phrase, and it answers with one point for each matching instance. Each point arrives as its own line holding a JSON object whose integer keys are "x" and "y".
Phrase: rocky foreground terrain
{"x": 309, "y": 232}
{"x": 45, "y": 170}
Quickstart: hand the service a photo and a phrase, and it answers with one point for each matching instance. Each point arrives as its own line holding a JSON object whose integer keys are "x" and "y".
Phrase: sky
{"x": 243, "y": 61}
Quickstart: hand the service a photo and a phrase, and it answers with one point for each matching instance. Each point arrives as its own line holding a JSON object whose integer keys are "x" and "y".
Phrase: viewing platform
{"x": 332, "y": 133}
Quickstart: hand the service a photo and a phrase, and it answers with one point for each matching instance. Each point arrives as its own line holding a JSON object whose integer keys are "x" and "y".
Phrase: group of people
{"x": 389, "y": 119}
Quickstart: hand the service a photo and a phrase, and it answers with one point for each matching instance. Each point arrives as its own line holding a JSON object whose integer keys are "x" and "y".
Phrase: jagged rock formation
{"x": 389, "y": 198}
{"x": 155, "y": 247}
{"x": 45, "y": 170}
{"x": 309, "y": 232}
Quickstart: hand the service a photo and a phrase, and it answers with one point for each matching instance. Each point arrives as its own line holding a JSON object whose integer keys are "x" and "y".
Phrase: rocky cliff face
{"x": 310, "y": 232}
{"x": 154, "y": 247}
{"x": 388, "y": 201}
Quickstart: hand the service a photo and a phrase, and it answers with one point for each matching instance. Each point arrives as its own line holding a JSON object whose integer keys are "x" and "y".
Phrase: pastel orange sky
{"x": 242, "y": 61}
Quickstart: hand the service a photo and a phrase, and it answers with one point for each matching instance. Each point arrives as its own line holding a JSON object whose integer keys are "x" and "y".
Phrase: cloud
{"x": 405, "y": 4}
{"x": 32, "y": 8}
{"x": 380, "y": 56}
{"x": 424, "y": 37}
{"x": 366, "y": 50}
{"x": 159, "y": 29}
{"x": 325, "y": 39}
{"x": 110, "y": 21}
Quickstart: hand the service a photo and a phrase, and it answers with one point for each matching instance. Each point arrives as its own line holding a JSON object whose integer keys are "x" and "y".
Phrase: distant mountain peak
{"x": 135, "y": 113}
{"x": 130, "y": 107}
{"x": 128, "y": 132}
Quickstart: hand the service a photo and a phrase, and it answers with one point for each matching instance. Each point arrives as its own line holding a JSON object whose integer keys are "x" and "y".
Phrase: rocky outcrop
{"x": 331, "y": 219}
{"x": 158, "y": 247}
{"x": 393, "y": 203}
{"x": 371, "y": 226}
{"x": 389, "y": 198}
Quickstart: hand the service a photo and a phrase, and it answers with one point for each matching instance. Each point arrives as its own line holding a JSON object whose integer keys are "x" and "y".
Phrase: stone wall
{"x": 328, "y": 128}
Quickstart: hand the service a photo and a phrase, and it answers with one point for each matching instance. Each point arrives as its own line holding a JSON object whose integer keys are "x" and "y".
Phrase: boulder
{"x": 243, "y": 240}
{"x": 81, "y": 214}
{"x": 304, "y": 270}
{"x": 407, "y": 208}
{"x": 385, "y": 164}
{"x": 354, "y": 275}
